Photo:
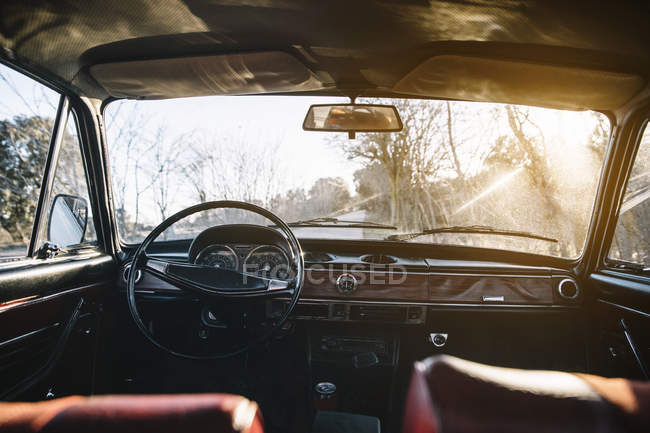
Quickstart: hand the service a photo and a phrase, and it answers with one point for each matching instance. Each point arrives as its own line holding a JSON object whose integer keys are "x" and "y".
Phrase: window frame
{"x": 46, "y": 167}
{"x": 83, "y": 115}
{"x": 608, "y": 262}
{"x": 40, "y": 217}
{"x": 43, "y": 210}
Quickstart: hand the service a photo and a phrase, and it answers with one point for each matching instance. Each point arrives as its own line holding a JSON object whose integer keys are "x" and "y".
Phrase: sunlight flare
{"x": 496, "y": 185}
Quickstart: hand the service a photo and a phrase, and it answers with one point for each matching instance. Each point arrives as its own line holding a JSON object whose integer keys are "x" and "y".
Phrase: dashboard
{"x": 371, "y": 282}
{"x": 396, "y": 300}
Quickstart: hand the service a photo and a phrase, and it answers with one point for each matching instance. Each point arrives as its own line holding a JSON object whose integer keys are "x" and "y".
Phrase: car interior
{"x": 284, "y": 216}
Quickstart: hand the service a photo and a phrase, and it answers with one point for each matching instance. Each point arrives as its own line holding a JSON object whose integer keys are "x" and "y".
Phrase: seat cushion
{"x": 451, "y": 395}
{"x": 217, "y": 413}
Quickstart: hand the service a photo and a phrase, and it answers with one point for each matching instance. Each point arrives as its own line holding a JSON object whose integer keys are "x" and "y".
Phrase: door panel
{"x": 621, "y": 314}
{"x": 49, "y": 329}
{"x": 620, "y": 283}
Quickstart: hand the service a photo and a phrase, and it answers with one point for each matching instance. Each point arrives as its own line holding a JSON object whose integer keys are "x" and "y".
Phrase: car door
{"x": 54, "y": 266}
{"x": 620, "y": 282}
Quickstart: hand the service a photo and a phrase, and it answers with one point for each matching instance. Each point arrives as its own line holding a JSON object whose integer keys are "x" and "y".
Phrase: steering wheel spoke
{"x": 209, "y": 280}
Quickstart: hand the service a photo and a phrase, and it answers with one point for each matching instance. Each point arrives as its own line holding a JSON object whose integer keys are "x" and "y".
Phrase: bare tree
{"x": 166, "y": 164}
{"x": 125, "y": 129}
{"x": 234, "y": 169}
{"x": 408, "y": 158}
{"x": 451, "y": 144}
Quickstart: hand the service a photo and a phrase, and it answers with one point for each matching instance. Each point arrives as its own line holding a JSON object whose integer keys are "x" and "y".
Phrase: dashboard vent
{"x": 378, "y": 259}
{"x": 377, "y": 313}
{"x": 568, "y": 289}
{"x": 316, "y": 257}
{"x": 311, "y": 311}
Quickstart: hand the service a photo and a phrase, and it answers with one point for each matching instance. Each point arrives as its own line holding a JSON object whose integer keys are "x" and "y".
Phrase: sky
{"x": 22, "y": 95}
{"x": 259, "y": 121}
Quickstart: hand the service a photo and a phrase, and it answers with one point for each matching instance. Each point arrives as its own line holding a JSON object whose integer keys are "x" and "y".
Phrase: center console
{"x": 361, "y": 363}
{"x": 354, "y": 351}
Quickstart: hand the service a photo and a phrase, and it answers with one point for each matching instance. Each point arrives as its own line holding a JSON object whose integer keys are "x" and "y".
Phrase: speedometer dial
{"x": 218, "y": 256}
{"x": 267, "y": 261}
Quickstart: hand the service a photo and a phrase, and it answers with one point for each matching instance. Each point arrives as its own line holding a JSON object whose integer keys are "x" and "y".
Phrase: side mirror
{"x": 68, "y": 220}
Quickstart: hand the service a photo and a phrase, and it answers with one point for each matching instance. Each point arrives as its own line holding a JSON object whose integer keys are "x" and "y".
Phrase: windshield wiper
{"x": 637, "y": 268}
{"x": 335, "y": 222}
{"x": 469, "y": 229}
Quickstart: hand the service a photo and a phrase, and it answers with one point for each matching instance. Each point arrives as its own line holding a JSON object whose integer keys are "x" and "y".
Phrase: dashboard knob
{"x": 346, "y": 283}
{"x": 438, "y": 339}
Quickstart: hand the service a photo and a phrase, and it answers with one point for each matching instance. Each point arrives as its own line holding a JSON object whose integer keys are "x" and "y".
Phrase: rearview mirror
{"x": 68, "y": 220}
{"x": 353, "y": 118}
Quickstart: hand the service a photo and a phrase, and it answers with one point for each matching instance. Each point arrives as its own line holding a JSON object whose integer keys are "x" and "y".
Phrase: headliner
{"x": 358, "y": 44}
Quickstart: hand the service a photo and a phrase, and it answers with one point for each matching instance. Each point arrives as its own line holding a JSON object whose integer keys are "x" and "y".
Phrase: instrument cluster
{"x": 267, "y": 261}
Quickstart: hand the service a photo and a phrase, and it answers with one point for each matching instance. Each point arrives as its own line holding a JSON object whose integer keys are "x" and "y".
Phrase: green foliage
{"x": 24, "y": 144}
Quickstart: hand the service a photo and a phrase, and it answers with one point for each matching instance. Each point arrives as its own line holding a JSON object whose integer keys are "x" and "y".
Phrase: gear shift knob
{"x": 325, "y": 397}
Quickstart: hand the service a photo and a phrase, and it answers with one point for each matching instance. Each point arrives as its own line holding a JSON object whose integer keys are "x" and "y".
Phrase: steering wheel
{"x": 212, "y": 282}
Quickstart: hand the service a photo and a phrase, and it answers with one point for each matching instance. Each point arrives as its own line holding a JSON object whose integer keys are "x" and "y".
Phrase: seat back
{"x": 218, "y": 413}
{"x": 451, "y": 395}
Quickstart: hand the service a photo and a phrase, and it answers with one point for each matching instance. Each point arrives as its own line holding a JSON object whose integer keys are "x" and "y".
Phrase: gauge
{"x": 267, "y": 261}
{"x": 217, "y": 256}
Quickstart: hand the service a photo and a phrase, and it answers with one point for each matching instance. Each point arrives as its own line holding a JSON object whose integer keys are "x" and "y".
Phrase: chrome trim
{"x": 27, "y": 335}
{"x": 125, "y": 273}
{"x": 158, "y": 265}
{"x": 14, "y": 302}
{"x": 475, "y": 274}
{"x": 351, "y": 268}
{"x": 355, "y": 283}
{"x": 634, "y": 349}
{"x": 436, "y": 304}
{"x": 623, "y": 307}
{"x": 493, "y": 298}
{"x": 250, "y": 253}
{"x": 559, "y": 289}
{"x": 38, "y": 300}
{"x": 432, "y": 338}
{"x": 347, "y": 267}
{"x": 234, "y": 254}
{"x": 275, "y": 284}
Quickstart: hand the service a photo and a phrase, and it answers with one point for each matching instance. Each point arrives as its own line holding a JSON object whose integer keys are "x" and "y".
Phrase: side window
{"x": 68, "y": 213}
{"x": 27, "y": 113}
{"x": 631, "y": 242}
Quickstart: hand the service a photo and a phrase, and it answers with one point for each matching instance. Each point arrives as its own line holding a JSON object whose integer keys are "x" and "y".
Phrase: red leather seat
{"x": 451, "y": 395}
{"x": 215, "y": 413}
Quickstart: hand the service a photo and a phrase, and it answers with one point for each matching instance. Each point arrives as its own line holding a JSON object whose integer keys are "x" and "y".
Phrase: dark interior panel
{"x": 621, "y": 339}
{"x": 546, "y": 340}
{"x": 48, "y": 340}
{"x": 620, "y": 334}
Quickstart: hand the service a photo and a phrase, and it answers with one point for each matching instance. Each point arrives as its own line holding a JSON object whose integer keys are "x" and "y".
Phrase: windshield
{"x": 454, "y": 165}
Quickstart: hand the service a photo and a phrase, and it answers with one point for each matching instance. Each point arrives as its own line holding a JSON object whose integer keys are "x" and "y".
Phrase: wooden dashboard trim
{"x": 389, "y": 284}
{"x": 422, "y": 288}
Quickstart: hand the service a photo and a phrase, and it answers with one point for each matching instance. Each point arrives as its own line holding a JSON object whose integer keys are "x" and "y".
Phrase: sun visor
{"x": 228, "y": 74}
{"x": 488, "y": 80}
